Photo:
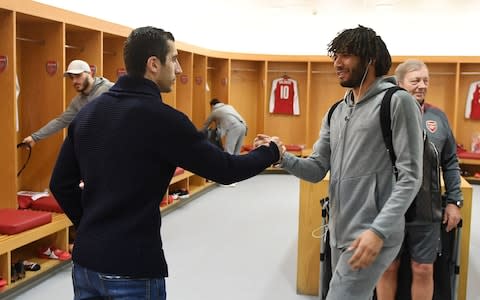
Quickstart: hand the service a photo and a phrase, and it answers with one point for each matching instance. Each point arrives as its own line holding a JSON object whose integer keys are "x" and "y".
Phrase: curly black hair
{"x": 365, "y": 43}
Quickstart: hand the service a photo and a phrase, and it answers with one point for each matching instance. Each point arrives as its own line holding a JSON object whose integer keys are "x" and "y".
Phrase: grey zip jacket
{"x": 363, "y": 191}
{"x": 100, "y": 85}
{"x": 226, "y": 117}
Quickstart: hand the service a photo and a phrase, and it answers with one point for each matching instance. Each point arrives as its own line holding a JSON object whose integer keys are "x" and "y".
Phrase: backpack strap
{"x": 385, "y": 122}
{"x": 330, "y": 111}
{"x": 385, "y": 125}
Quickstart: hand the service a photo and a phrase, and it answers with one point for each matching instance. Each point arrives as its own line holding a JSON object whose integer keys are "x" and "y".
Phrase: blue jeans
{"x": 88, "y": 284}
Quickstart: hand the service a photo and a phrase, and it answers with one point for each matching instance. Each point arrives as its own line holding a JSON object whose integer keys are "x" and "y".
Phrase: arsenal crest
{"x": 198, "y": 80}
{"x": 224, "y": 81}
{"x": 93, "y": 70}
{"x": 183, "y": 79}
{"x": 3, "y": 63}
{"x": 51, "y": 67}
{"x": 431, "y": 126}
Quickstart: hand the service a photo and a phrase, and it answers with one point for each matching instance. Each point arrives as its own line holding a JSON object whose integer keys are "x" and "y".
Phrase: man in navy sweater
{"x": 125, "y": 146}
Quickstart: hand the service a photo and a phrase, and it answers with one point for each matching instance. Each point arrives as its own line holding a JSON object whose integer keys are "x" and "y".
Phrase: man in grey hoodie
{"x": 230, "y": 123}
{"x": 88, "y": 88}
{"x": 367, "y": 202}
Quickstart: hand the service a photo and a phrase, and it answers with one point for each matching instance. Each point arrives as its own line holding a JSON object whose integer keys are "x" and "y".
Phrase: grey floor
{"x": 239, "y": 243}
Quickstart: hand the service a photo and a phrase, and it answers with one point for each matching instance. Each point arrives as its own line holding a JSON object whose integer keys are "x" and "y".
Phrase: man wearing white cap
{"x": 88, "y": 88}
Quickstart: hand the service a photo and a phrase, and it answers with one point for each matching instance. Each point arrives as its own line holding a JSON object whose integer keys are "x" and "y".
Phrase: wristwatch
{"x": 458, "y": 203}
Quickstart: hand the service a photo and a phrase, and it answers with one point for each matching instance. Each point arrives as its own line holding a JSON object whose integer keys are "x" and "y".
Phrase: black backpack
{"x": 430, "y": 208}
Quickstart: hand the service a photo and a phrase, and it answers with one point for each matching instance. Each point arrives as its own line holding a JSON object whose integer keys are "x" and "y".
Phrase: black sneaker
{"x": 31, "y": 266}
{"x": 20, "y": 269}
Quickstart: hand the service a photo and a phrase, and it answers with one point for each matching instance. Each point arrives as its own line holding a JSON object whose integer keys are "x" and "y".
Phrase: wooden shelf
{"x": 472, "y": 180}
{"x": 59, "y": 223}
{"x": 470, "y": 167}
{"x": 469, "y": 161}
{"x": 25, "y": 246}
{"x": 34, "y": 35}
{"x": 180, "y": 177}
{"x": 194, "y": 192}
{"x": 45, "y": 266}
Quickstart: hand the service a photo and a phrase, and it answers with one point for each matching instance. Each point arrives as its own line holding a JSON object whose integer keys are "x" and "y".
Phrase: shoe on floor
{"x": 31, "y": 266}
{"x": 13, "y": 273}
{"x": 228, "y": 185}
{"x": 20, "y": 268}
{"x": 54, "y": 253}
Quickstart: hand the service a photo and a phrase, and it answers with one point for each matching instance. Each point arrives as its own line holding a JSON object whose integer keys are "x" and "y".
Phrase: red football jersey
{"x": 284, "y": 97}
{"x": 472, "y": 108}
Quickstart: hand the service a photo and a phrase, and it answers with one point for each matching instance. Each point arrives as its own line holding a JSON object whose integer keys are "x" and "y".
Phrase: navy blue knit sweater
{"x": 125, "y": 146}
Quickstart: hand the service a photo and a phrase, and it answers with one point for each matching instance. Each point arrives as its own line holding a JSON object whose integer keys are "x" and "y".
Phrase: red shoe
{"x": 164, "y": 201}
{"x": 54, "y": 253}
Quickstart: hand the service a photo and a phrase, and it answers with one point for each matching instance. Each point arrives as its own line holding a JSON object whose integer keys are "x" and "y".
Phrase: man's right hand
{"x": 261, "y": 140}
{"x": 366, "y": 248}
{"x": 29, "y": 140}
{"x": 264, "y": 140}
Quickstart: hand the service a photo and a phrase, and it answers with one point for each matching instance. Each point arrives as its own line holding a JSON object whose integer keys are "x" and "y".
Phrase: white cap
{"x": 77, "y": 67}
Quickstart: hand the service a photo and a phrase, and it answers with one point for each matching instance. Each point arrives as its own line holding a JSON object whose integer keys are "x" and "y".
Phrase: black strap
{"x": 385, "y": 122}
{"x": 330, "y": 111}
{"x": 24, "y": 145}
{"x": 385, "y": 125}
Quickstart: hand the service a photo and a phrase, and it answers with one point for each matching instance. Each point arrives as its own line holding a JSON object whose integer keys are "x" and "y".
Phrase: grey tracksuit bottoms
{"x": 347, "y": 284}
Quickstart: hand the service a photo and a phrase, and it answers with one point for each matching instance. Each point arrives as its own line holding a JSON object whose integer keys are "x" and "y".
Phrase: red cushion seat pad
{"x": 13, "y": 221}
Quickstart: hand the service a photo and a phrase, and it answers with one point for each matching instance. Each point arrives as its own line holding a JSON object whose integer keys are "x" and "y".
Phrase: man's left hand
{"x": 452, "y": 216}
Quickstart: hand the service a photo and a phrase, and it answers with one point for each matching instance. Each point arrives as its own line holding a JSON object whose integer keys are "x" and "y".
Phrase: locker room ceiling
{"x": 316, "y": 6}
{"x": 303, "y": 27}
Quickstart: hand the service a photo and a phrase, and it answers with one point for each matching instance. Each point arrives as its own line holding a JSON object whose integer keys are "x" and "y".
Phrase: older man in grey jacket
{"x": 367, "y": 201}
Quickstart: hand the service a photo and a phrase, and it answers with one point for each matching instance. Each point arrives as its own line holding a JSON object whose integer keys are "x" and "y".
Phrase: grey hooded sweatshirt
{"x": 363, "y": 191}
{"x": 100, "y": 85}
{"x": 226, "y": 117}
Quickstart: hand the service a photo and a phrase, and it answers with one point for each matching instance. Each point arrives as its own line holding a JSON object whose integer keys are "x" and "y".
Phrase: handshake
{"x": 264, "y": 140}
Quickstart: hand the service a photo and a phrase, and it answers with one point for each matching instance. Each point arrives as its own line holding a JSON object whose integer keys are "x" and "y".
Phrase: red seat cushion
{"x": 247, "y": 148}
{"x": 468, "y": 155}
{"x": 178, "y": 171}
{"x": 13, "y": 221}
{"x": 47, "y": 204}
{"x": 294, "y": 147}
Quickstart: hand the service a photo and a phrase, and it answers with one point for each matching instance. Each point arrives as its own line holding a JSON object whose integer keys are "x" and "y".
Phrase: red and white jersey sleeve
{"x": 284, "y": 97}
{"x": 472, "y": 107}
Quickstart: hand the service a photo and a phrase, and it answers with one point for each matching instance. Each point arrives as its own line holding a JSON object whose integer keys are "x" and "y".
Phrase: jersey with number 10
{"x": 284, "y": 97}
{"x": 472, "y": 108}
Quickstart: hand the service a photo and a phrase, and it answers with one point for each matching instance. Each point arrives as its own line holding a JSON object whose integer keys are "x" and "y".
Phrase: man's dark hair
{"x": 214, "y": 101}
{"x": 364, "y": 43}
{"x": 142, "y": 43}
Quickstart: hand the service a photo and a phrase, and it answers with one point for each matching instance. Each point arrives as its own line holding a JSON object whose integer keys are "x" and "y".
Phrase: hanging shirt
{"x": 284, "y": 97}
{"x": 472, "y": 107}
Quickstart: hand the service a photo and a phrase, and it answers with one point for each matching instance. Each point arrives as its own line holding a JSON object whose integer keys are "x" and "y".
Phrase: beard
{"x": 355, "y": 78}
{"x": 83, "y": 86}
